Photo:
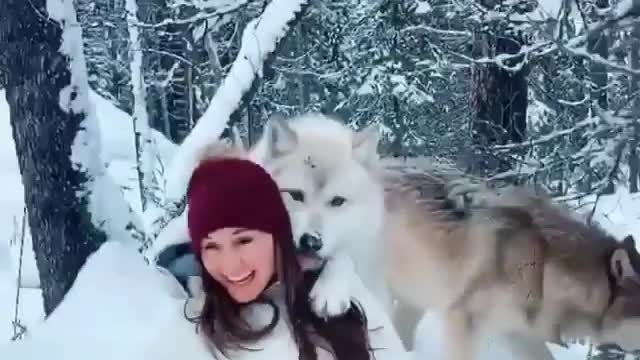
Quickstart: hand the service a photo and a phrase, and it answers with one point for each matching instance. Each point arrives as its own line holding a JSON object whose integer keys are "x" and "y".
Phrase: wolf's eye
{"x": 296, "y": 195}
{"x": 337, "y": 201}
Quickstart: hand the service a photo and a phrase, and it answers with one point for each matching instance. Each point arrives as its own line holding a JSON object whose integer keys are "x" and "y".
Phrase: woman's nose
{"x": 232, "y": 264}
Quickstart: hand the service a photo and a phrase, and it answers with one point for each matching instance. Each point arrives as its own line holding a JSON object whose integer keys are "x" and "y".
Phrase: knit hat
{"x": 233, "y": 192}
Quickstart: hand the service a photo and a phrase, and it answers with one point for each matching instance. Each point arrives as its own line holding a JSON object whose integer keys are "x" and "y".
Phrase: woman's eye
{"x": 211, "y": 246}
{"x": 245, "y": 240}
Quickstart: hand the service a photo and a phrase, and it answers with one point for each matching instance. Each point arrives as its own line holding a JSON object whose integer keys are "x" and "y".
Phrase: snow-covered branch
{"x": 259, "y": 40}
{"x": 596, "y": 58}
{"x": 431, "y": 29}
{"x": 144, "y": 142}
{"x": 548, "y": 137}
{"x": 624, "y": 14}
{"x": 200, "y": 16}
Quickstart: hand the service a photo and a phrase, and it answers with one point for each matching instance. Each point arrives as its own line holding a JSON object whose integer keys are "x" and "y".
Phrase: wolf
{"x": 511, "y": 262}
{"x": 507, "y": 264}
{"x": 336, "y": 208}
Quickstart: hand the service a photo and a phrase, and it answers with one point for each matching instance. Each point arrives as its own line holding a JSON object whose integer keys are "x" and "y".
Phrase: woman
{"x": 255, "y": 292}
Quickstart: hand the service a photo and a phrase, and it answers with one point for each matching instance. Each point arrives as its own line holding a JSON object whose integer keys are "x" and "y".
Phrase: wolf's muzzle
{"x": 310, "y": 243}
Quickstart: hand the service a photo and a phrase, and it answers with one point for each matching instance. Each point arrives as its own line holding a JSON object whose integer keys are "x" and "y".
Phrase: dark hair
{"x": 223, "y": 325}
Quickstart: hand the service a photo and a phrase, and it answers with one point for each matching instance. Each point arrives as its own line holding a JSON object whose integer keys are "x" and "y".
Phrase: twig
{"x": 16, "y": 323}
{"x": 612, "y": 173}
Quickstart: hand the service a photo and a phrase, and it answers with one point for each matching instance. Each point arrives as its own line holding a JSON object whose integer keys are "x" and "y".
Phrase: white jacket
{"x": 178, "y": 340}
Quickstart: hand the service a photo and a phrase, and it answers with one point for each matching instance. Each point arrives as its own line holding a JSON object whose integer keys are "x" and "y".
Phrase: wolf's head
{"x": 326, "y": 173}
{"x": 621, "y": 321}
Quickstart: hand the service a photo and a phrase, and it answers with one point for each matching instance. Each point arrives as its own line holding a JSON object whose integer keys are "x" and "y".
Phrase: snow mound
{"x": 111, "y": 312}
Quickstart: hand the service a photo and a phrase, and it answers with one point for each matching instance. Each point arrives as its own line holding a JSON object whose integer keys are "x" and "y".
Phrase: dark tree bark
{"x": 498, "y": 96}
{"x": 598, "y": 43}
{"x": 61, "y": 228}
{"x": 634, "y": 159}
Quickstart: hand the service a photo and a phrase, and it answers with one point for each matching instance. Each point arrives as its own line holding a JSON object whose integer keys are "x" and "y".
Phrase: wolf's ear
{"x": 623, "y": 269}
{"x": 365, "y": 144}
{"x": 280, "y": 138}
{"x": 629, "y": 242}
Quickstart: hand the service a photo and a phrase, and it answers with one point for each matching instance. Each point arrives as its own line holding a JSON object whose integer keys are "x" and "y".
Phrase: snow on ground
{"x": 618, "y": 213}
{"x": 111, "y": 312}
{"x": 30, "y": 309}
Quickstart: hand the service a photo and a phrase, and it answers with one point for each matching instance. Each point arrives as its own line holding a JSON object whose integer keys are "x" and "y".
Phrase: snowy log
{"x": 259, "y": 40}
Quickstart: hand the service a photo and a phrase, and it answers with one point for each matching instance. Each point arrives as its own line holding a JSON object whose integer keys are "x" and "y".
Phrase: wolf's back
{"x": 437, "y": 187}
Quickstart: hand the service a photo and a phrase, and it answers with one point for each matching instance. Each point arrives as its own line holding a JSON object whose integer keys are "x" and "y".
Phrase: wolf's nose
{"x": 310, "y": 242}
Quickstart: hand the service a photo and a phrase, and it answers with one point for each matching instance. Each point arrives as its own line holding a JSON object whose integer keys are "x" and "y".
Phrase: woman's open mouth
{"x": 242, "y": 279}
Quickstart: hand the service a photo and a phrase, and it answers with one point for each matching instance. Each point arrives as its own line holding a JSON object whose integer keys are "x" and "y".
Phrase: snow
{"x": 624, "y": 7}
{"x": 259, "y": 39}
{"x": 174, "y": 233}
{"x": 550, "y": 7}
{"x": 30, "y": 311}
{"x": 618, "y": 213}
{"x": 423, "y": 7}
{"x": 113, "y": 309}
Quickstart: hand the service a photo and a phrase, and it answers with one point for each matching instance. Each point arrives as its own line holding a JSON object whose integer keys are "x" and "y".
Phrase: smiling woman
{"x": 255, "y": 285}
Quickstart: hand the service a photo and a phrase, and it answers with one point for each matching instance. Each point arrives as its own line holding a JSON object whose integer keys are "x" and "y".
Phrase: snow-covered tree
{"x": 73, "y": 206}
{"x": 260, "y": 38}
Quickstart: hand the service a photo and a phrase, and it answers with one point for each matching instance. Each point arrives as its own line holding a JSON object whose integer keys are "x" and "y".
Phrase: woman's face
{"x": 242, "y": 260}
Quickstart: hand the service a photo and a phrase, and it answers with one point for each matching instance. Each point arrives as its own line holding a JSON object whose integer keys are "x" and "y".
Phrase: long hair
{"x": 223, "y": 325}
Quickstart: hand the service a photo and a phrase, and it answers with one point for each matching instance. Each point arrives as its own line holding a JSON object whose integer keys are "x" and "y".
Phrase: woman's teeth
{"x": 241, "y": 279}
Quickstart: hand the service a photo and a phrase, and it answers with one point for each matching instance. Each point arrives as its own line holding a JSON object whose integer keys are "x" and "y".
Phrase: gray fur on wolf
{"x": 505, "y": 263}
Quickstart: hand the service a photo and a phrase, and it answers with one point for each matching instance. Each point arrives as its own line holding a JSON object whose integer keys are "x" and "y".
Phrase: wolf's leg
{"x": 331, "y": 294}
{"x": 459, "y": 336}
{"x": 405, "y": 319}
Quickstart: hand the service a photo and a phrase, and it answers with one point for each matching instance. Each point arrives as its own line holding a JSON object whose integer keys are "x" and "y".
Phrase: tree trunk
{"x": 598, "y": 43}
{"x": 634, "y": 159}
{"x": 498, "y": 97}
{"x": 61, "y": 226}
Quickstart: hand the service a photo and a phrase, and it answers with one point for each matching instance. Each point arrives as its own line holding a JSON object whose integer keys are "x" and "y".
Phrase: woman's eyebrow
{"x": 239, "y": 231}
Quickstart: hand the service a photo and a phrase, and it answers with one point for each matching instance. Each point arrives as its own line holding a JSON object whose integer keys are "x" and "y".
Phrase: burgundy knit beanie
{"x": 232, "y": 192}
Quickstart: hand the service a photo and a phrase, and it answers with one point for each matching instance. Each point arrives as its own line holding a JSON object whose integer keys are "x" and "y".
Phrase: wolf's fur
{"x": 513, "y": 264}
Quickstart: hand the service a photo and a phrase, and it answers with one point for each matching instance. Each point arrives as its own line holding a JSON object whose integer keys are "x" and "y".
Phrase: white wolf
{"x": 336, "y": 207}
{"x": 399, "y": 229}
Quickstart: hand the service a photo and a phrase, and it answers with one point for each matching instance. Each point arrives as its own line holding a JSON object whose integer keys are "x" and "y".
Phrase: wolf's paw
{"x": 330, "y": 298}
